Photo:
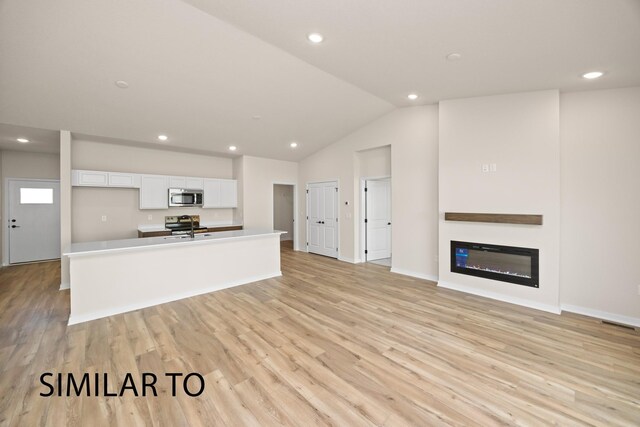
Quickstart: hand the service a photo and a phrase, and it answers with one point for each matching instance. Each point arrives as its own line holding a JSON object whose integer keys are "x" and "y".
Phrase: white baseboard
{"x": 414, "y": 274}
{"x": 64, "y": 286}
{"x": 604, "y": 315}
{"x": 131, "y": 307}
{"x": 501, "y": 297}
{"x": 349, "y": 260}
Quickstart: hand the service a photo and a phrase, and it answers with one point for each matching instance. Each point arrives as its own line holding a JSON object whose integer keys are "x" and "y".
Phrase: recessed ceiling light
{"x": 453, "y": 57}
{"x": 122, "y": 84}
{"x": 412, "y": 96}
{"x": 22, "y": 140}
{"x": 293, "y": 144}
{"x": 592, "y": 75}
{"x": 256, "y": 117}
{"x": 232, "y": 148}
{"x": 315, "y": 38}
{"x": 163, "y": 137}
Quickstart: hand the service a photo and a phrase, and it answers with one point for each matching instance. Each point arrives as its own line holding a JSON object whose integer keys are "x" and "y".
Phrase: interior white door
{"x": 378, "y": 219}
{"x": 314, "y": 221}
{"x": 322, "y": 218}
{"x": 34, "y": 220}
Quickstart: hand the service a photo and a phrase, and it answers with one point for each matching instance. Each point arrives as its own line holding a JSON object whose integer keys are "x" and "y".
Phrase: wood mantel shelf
{"x": 495, "y": 218}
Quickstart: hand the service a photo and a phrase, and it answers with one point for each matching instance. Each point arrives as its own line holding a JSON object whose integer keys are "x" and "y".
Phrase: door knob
{"x": 322, "y": 222}
{"x": 15, "y": 226}
{"x": 388, "y": 223}
{"x": 13, "y": 220}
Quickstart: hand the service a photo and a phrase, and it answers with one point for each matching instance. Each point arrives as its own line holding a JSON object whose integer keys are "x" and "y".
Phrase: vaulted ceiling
{"x": 214, "y": 73}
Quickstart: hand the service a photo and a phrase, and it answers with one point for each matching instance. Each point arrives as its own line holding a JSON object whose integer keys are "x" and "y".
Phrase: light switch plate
{"x": 493, "y": 167}
{"x": 104, "y": 218}
{"x": 149, "y": 217}
{"x": 485, "y": 167}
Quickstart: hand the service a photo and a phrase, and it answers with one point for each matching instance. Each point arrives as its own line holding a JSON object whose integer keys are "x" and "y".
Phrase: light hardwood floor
{"x": 328, "y": 343}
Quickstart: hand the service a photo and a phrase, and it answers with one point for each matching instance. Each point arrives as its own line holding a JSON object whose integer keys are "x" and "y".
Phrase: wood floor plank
{"x": 328, "y": 343}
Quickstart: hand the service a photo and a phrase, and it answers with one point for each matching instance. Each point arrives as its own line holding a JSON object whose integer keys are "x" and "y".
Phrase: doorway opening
{"x": 284, "y": 213}
{"x": 376, "y": 221}
{"x": 32, "y": 209}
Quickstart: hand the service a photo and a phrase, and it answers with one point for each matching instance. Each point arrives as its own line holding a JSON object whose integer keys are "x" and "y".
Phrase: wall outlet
{"x": 104, "y": 218}
{"x": 493, "y": 167}
{"x": 485, "y": 167}
{"x": 149, "y": 217}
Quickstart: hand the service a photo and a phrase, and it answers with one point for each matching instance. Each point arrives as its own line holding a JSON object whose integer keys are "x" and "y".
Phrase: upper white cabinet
{"x": 220, "y": 193}
{"x": 154, "y": 189}
{"x": 127, "y": 180}
{"x": 84, "y": 178}
{"x": 186, "y": 182}
{"x": 228, "y": 193}
{"x": 90, "y": 178}
{"x": 211, "y": 193}
{"x": 154, "y": 192}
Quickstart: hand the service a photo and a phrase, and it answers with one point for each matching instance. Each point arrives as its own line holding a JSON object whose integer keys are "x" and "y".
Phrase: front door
{"x": 378, "y": 219}
{"x": 322, "y": 223}
{"x": 34, "y": 220}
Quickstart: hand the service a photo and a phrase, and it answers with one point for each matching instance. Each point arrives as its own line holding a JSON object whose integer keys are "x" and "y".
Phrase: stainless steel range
{"x": 182, "y": 224}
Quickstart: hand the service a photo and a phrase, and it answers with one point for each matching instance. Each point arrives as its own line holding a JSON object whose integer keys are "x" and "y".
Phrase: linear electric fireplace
{"x": 505, "y": 263}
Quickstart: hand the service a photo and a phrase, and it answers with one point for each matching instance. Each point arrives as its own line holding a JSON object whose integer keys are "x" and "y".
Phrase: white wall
{"x": 283, "y": 210}
{"x": 238, "y": 173}
{"x": 258, "y": 176}
{"x": 65, "y": 206}
{"x": 373, "y": 163}
{"x": 25, "y": 164}
{"x": 520, "y": 133}
{"x": 120, "y": 205}
{"x": 412, "y": 134}
{"x": 600, "y": 184}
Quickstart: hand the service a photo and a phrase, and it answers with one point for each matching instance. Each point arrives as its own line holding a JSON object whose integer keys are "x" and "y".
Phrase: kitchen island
{"x": 116, "y": 276}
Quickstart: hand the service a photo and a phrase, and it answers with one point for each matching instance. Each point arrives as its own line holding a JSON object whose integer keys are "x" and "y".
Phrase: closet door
{"x": 322, "y": 218}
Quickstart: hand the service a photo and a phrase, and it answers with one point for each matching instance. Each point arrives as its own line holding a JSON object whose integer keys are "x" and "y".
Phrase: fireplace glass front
{"x": 505, "y": 263}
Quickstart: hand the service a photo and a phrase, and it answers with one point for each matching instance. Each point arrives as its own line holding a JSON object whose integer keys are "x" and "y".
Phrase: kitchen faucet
{"x": 189, "y": 217}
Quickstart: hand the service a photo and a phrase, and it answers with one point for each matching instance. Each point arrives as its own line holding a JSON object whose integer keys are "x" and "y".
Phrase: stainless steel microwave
{"x": 184, "y": 197}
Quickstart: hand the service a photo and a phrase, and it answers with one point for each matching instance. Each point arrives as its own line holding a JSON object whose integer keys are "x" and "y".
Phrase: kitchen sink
{"x": 186, "y": 236}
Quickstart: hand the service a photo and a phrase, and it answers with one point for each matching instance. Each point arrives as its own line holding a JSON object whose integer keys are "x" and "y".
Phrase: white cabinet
{"x": 154, "y": 192}
{"x": 228, "y": 193}
{"x": 126, "y": 180}
{"x": 177, "y": 182}
{"x": 89, "y": 178}
{"x": 211, "y": 193}
{"x": 154, "y": 189}
{"x": 194, "y": 183}
{"x": 187, "y": 182}
{"x": 84, "y": 178}
{"x": 220, "y": 193}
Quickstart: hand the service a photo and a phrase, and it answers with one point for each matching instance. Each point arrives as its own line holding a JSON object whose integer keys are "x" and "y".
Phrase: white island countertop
{"x": 108, "y": 246}
{"x": 118, "y": 276}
